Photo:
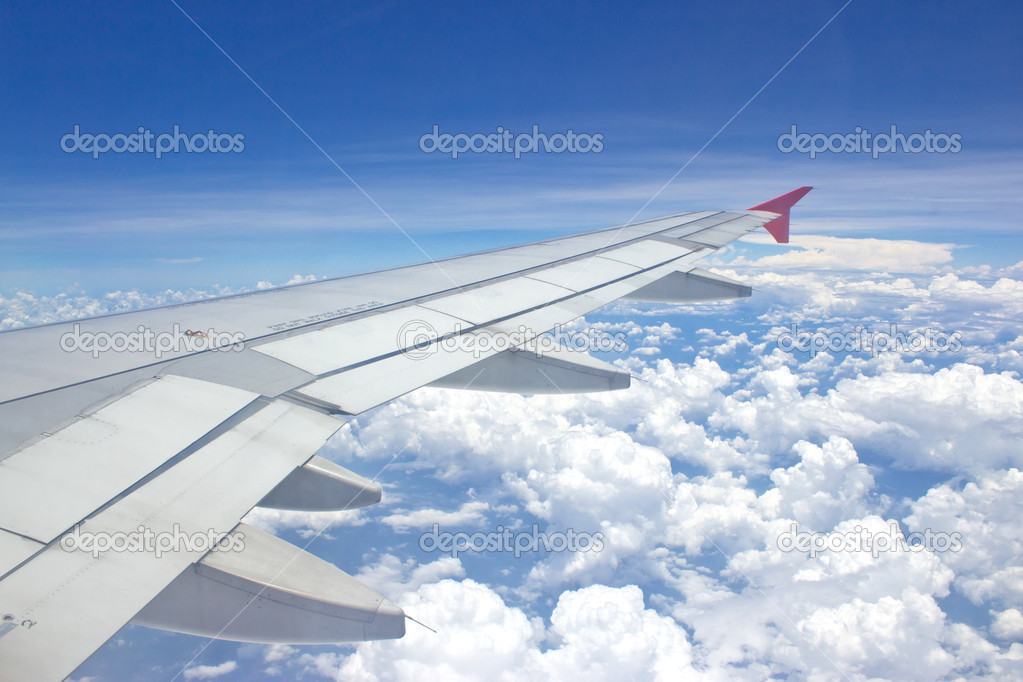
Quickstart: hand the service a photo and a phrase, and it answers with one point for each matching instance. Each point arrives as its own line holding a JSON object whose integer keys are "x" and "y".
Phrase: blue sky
{"x": 657, "y": 81}
{"x": 723, "y": 438}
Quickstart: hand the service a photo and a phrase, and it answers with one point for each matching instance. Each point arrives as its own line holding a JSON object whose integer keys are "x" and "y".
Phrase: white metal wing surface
{"x": 153, "y": 426}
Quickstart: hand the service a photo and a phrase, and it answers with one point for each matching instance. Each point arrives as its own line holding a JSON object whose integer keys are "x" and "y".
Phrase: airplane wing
{"x": 131, "y": 445}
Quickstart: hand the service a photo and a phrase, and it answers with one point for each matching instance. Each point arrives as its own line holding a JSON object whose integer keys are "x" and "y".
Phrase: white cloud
{"x": 478, "y": 637}
{"x": 470, "y": 513}
{"x": 209, "y": 672}
{"x": 300, "y": 279}
{"x": 392, "y": 576}
{"x": 828, "y": 484}
{"x": 890, "y": 638}
{"x": 827, "y": 253}
{"x": 307, "y": 523}
{"x": 599, "y": 632}
{"x": 24, "y": 309}
{"x": 920, "y": 420}
{"x": 731, "y": 344}
{"x": 824, "y": 616}
{"x": 986, "y": 513}
{"x": 1008, "y": 624}
{"x": 278, "y": 652}
{"x": 567, "y": 459}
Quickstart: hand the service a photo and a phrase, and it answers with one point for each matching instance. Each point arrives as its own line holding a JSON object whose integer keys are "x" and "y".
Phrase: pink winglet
{"x": 779, "y": 227}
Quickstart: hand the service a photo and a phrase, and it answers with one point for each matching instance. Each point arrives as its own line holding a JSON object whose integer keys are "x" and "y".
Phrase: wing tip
{"x": 779, "y": 227}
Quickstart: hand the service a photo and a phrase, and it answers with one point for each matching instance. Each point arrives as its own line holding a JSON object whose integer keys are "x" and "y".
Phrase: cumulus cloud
{"x": 308, "y": 524}
{"x": 828, "y": 484}
{"x": 955, "y": 419}
{"x": 607, "y": 463}
{"x": 600, "y": 632}
{"x": 827, "y": 253}
{"x": 392, "y": 576}
{"x": 890, "y": 638}
{"x": 469, "y": 513}
{"x": 1008, "y": 624}
{"x": 657, "y": 522}
{"x": 21, "y": 309}
{"x": 209, "y": 672}
{"x": 986, "y": 513}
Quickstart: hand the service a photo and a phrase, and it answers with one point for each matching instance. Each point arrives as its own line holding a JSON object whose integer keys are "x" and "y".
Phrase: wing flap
{"x": 271, "y": 591}
{"x": 555, "y": 370}
{"x": 321, "y": 485}
{"x": 56, "y": 482}
{"x": 690, "y": 287}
